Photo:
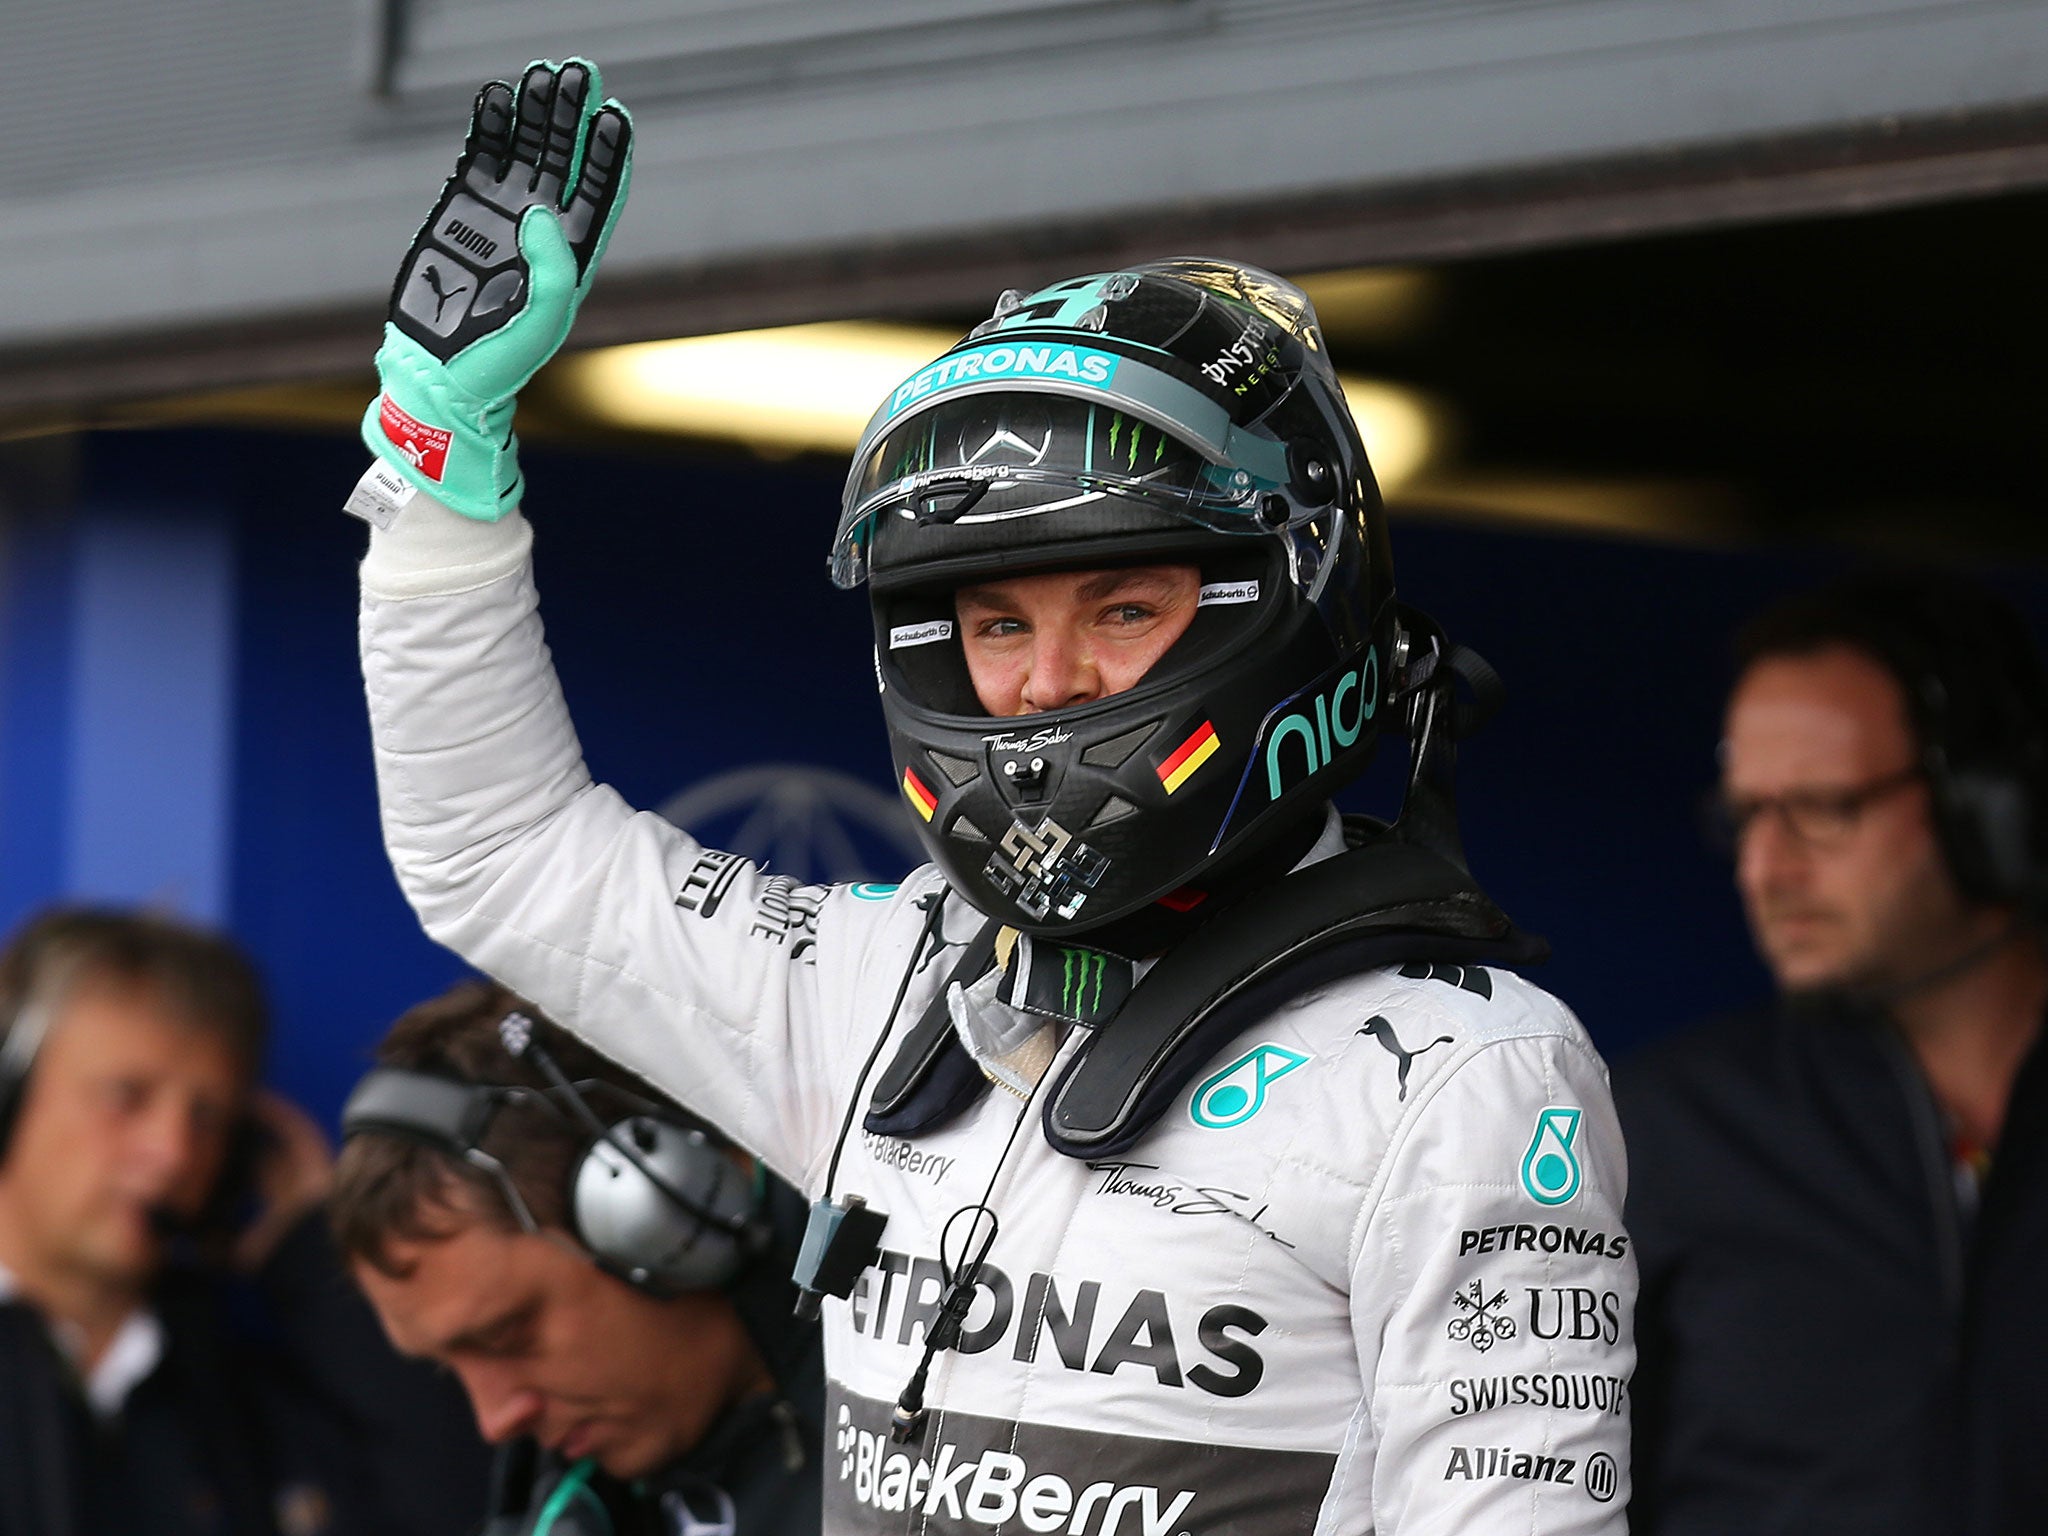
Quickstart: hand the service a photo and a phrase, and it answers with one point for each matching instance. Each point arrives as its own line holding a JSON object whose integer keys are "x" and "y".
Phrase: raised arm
{"x": 739, "y": 1001}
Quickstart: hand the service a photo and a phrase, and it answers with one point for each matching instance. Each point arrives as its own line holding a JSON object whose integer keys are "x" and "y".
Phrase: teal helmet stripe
{"x": 1133, "y": 387}
{"x": 1240, "y": 464}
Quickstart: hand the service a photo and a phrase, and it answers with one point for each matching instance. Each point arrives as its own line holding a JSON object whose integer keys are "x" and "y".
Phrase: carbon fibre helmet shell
{"x": 1178, "y": 412}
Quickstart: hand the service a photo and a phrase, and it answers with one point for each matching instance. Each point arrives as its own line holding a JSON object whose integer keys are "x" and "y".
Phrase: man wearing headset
{"x": 1182, "y": 1161}
{"x": 1838, "y": 1201}
{"x": 137, "y": 1393}
{"x": 604, "y": 1278}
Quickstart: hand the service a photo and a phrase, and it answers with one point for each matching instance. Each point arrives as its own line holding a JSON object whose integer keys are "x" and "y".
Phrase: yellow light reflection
{"x": 787, "y": 390}
{"x": 1373, "y": 306}
{"x": 1403, "y": 431}
{"x": 812, "y": 388}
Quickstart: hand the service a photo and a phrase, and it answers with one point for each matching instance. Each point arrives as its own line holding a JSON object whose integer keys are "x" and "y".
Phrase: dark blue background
{"x": 695, "y": 631}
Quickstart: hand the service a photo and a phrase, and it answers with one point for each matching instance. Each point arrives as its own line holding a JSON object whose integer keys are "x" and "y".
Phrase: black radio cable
{"x": 906, "y": 1423}
{"x": 924, "y": 937}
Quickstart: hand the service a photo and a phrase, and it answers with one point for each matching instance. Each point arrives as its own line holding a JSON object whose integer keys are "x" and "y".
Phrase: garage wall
{"x": 178, "y": 168}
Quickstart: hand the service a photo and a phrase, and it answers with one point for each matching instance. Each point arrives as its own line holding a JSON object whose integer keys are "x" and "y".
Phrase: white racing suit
{"x": 1367, "y": 1273}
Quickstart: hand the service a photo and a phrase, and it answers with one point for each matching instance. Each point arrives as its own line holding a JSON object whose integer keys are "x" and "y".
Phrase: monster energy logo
{"x": 1078, "y": 964}
{"x": 1117, "y": 422}
{"x": 914, "y": 457}
{"x": 1088, "y": 986}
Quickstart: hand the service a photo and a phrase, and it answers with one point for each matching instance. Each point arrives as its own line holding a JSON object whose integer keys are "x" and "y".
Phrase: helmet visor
{"x": 985, "y": 458}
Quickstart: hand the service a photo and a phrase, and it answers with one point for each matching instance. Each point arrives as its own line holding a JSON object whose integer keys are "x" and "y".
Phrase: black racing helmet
{"x": 1180, "y": 411}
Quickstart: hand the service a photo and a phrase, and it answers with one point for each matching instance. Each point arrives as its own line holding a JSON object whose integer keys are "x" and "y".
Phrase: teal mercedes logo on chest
{"x": 1232, "y": 1096}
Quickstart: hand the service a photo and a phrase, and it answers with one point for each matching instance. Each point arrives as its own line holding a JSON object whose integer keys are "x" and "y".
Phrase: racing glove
{"x": 493, "y": 282}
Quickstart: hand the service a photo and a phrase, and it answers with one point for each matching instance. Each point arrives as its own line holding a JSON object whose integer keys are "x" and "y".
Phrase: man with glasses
{"x": 1839, "y": 1202}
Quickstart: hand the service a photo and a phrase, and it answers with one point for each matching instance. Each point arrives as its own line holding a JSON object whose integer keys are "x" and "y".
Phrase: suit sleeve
{"x": 728, "y": 988}
{"x": 1493, "y": 1293}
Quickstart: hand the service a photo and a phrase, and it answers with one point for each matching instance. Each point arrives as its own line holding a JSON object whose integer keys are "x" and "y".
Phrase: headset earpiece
{"x": 637, "y": 1230}
{"x": 660, "y": 1204}
{"x": 1985, "y": 814}
{"x": 11, "y": 1085}
{"x": 1986, "y": 825}
{"x": 13, "y": 1080}
{"x": 28, "y": 1020}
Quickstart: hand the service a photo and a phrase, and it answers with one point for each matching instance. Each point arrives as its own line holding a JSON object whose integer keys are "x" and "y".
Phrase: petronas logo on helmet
{"x": 1078, "y": 365}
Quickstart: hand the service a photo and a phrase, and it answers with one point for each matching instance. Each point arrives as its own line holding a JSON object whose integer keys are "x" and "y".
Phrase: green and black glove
{"x": 494, "y": 279}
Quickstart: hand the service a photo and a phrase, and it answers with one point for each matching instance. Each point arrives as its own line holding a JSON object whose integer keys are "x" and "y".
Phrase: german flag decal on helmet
{"x": 925, "y": 801}
{"x": 1188, "y": 756}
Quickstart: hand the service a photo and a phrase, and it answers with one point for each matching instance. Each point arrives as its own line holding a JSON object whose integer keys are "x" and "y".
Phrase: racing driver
{"x": 1184, "y": 1160}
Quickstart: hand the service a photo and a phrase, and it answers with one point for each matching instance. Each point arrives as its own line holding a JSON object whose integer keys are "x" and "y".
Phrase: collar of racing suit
{"x": 757, "y": 1446}
{"x": 1011, "y": 1019}
{"x": 1360, "y": 898}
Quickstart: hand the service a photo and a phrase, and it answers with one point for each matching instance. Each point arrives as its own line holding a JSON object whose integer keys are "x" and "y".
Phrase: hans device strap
{"x": 932, "y": 1079}
{"x": 1386, "y": 902}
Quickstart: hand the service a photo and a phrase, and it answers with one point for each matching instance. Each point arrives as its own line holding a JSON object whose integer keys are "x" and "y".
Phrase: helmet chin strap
{"x": 1437, "y": 720}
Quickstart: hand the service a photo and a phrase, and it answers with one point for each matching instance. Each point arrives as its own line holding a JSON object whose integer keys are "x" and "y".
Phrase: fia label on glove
{"x": 425, "y": 448}
{"x": 380, "y": 496}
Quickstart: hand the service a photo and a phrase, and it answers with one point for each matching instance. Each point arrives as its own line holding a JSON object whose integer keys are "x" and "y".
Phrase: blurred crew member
{"x": 130, "y": 1133}
{"x": 601, "y": 1274}
{"x": 1841, "y": 1202}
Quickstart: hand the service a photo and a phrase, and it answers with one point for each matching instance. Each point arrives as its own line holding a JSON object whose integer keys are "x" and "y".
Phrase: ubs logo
{"x": 1575, "y": 1313}
{"x": 1480, "y": 1320}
